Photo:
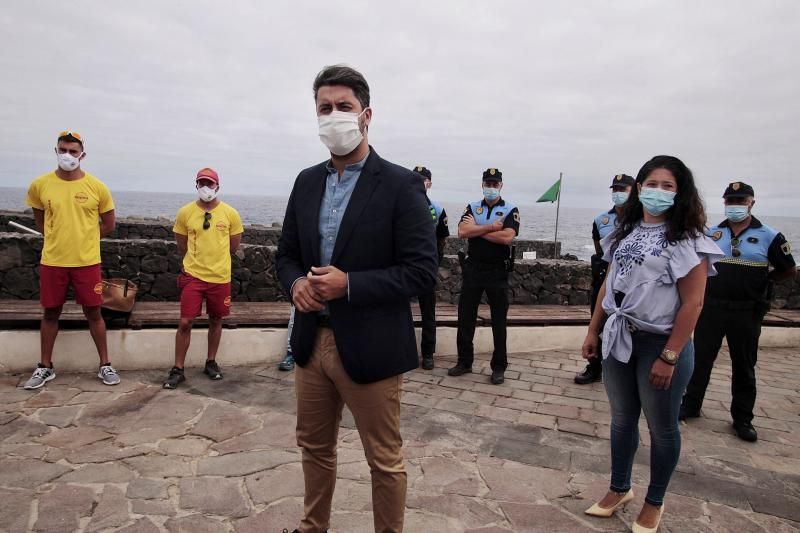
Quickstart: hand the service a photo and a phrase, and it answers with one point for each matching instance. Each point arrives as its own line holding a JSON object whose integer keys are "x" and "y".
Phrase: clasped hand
{"x": 321, "y": 284}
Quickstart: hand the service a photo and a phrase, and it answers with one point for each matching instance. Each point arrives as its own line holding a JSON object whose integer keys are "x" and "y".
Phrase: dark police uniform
{"x": 736, "y": 301}
{"x": 486, "y": 270}
{"x": 603, "y": 224}
{"x": 427, "y": 302}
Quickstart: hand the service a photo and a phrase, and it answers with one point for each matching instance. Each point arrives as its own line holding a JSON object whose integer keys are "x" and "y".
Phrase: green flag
{"x": 551, "y": 195}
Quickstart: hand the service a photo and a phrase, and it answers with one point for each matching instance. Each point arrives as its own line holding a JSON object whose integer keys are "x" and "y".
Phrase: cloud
{"x": 534, "y": 88}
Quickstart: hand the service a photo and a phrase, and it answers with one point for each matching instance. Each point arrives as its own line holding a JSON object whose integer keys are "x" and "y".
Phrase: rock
{"x": 95, "y": 473}
{"x": 143, "y": 525}
{"x": 217, "y": 496}
{"x": 15, "y": 510}
{"x": 152, "y": 507}
{"x": 160, "y": 466}
{"x": 276, "y": 484}
{"x": 62, "y": 508}
{"x": 58, "y": 416}
{"x": 286, "y": 512}
{"x": 147, "y": 489}
{"x": 29, "y": 473}
{"x": 195, "y": 523}
{"x": 74, "y": 438}
{"x": 154, "y": 264}
{"x": 112, "y": 511}
{"x": 22, "y": 282}
{"x": 165, "y": 286}
{"x": 244, "y": 463}
{"x": 222, "y": 421}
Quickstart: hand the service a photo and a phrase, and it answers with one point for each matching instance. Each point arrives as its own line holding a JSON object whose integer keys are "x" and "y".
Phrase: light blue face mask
{"x": 490, "y": 193}
{"x": 619, "y": 198}
{"x": 656, "y": 201}
{"x": 736, "y": 213}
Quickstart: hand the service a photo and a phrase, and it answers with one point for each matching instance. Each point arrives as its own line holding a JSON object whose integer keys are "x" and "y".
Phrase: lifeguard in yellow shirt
{"x": 208, "y": 231}
{"x": 73, "y": 210}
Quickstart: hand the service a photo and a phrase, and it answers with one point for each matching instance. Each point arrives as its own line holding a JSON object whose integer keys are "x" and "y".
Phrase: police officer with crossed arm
{"x": 427, "y": 301}
{"x": 603, "y": 224}
{"x": 490, "y": 226}
{"x": 736, "y": 301}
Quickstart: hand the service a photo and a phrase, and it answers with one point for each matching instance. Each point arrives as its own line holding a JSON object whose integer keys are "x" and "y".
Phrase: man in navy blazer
{"x": 356, "y": 245}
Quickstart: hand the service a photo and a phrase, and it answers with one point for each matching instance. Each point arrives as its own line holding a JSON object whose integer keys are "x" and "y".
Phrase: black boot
{"x": 745, "y": 431}
{"x": 427, "y": 362}
{"x": 593, "y": 372}
{"x": 459, "y": 370}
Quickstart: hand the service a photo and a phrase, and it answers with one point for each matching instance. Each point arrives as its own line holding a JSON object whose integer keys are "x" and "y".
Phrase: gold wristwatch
{"x": 669, "y": 356}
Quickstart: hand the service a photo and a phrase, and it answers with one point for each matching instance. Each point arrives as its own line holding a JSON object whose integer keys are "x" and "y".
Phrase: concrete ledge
{"x": 154, "y": 348}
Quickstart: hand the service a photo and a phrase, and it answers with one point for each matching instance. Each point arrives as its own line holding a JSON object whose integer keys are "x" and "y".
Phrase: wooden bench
{"x": 25, "y": 314}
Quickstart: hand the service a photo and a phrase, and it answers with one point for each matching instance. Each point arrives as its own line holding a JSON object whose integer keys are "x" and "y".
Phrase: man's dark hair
{"x": 69, "y": 139}
{"x": 346, "y": 76}
{"x": 685, "y": 219}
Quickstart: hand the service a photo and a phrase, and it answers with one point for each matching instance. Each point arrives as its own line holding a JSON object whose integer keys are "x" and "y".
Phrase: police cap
{"x": 492, "y": 174}
{"x": 622, "y": 180}
{"x": 738, "y": 189}
{"x": 423, "y": 171}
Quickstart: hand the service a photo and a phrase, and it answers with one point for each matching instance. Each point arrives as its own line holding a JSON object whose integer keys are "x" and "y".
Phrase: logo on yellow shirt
{"x": 221, "y": 226}
{"x": 81, "y": 197}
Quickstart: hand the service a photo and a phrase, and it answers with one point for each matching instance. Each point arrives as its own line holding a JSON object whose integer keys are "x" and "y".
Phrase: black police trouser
{"x": 476, "y": 281}
{"x": 427, "y": 308}
{"x": 599, "y": 268}
{"x": 742, "y": 328}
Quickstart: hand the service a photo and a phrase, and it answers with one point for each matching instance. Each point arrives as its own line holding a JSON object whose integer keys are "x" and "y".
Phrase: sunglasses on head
{"x": 70, "y": 134}
{"x": 207, "y": 221}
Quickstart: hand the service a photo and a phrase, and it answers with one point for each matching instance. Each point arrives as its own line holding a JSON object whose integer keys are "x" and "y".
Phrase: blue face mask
{"x": 736, "y": 213}
{"x": 619, "y": 198}
{"x": 656, "y": 201}
{"x": 490, "y": 194}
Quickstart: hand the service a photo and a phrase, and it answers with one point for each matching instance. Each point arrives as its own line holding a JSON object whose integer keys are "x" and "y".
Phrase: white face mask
{"x": 207, "y": 194}
{"x": 68, "y": 162}
{"x": 340, "y": 131}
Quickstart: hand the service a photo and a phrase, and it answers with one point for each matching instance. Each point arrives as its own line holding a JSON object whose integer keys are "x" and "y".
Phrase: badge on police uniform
{"x": 735, "y": 186}
{"x": 786, "y": 248}
{"x": 479, "y": 210}
{"x": 618, "y": 177}
{"x": 492, "y": 171}
{"x": 717, "y": 235}
{"x": 605, "y": 219}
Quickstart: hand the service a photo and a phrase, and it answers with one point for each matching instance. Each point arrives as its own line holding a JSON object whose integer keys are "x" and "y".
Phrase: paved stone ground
{"x": 529, "y": 455}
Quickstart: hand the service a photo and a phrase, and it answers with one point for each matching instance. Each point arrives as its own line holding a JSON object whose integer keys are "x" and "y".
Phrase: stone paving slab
{"x": 529, "y": 455}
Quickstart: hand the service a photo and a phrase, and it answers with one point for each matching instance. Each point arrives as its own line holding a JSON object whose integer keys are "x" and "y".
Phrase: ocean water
{"x": 537, "y": 222}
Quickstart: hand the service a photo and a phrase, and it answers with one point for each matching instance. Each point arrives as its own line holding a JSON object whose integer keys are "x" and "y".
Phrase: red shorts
{"x": 193, "y": 290}
{"x": 54, "y": 282}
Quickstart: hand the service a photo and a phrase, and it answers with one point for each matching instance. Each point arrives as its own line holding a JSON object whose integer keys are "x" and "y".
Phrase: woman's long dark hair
{"x": 686, "y": 218}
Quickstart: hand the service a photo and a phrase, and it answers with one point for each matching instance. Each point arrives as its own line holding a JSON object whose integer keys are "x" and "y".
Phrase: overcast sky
{"x": 160, "y": 89}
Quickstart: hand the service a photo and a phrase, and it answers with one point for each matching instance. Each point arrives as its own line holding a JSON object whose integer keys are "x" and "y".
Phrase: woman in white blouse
{"x": 659, "y": 260}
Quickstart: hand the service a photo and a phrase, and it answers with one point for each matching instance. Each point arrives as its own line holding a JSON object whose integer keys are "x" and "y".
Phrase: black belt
{"x": 324, "y": 321}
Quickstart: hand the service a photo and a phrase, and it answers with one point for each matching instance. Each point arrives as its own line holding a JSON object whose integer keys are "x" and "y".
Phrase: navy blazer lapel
{"x": 314, "y": 201}
{"x": 367, "y": 181}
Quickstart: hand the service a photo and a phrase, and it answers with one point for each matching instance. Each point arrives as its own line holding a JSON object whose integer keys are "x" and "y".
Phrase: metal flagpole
{"x": 558, "y": 207}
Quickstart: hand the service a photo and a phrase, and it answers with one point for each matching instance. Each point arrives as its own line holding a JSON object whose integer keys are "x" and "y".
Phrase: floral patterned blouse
{"x": 645, "y": 268}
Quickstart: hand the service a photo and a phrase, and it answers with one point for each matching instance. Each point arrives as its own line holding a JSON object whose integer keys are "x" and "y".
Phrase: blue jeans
{"x": 629, "y": 392}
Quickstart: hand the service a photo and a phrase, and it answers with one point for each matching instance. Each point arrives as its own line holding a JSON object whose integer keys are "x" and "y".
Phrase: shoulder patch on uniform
{"x": 444, "y": 220}
{"x": 605, "y": 219}
{"x": 717, "y": 235}
{"x": 786, "y": 248}
{"x": 516, "y": 216}
{"x": 479, "y": 210}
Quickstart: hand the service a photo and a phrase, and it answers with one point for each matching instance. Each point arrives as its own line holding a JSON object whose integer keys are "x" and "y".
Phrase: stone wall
{"x": 148, "y": 228}
{"x": 155, "y": 264}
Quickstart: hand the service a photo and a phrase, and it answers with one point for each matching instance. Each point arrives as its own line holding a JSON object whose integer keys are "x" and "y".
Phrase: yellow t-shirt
{"x": 208, "y": 256}
{"x": 71, "y": 218}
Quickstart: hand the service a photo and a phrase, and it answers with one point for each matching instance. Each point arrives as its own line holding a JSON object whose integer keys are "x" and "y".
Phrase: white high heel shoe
{"x": 641, "y": 529}
{"x": 605, "y": 512}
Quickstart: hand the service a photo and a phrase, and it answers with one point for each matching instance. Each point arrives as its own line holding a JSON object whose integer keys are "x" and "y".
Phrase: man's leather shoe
{"x": 745, "y": 431}
{"x": 459, "y": 370}
{"x": 427, "y": 362}
{"x": 685, "y": 413}
{"x": 589, "y": 375}
{"x": 498, "y": 377}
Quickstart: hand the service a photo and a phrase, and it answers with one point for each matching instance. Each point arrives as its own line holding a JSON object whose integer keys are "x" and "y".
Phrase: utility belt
{"x": 506, "y": 265}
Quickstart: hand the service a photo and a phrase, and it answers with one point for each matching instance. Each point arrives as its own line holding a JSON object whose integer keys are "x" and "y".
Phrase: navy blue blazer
{"x": 385, "y": 245}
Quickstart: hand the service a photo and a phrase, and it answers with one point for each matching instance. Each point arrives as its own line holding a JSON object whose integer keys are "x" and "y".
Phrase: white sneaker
{"x": 108, "y": 375}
